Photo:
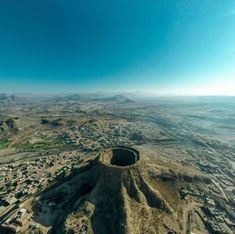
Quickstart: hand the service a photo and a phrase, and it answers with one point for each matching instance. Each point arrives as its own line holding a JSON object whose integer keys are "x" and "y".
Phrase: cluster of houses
{"x": 218, "y": 209}
{"x": 18, "y": 220}
{"x": 92, "y": 137}
{"x": 22, "y": 180}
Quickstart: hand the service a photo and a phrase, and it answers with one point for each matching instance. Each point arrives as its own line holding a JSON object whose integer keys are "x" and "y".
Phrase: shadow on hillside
{"x": 56, "y": 202}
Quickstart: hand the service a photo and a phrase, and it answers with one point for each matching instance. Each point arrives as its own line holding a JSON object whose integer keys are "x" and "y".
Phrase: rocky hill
{"x": 121, "y": 191}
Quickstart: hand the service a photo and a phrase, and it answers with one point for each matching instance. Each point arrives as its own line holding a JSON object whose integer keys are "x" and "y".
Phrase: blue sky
{"x": 160, "y": 47}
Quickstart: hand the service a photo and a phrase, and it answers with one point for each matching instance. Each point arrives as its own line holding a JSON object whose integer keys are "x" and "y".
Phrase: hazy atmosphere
{"x": 159, "y": 47}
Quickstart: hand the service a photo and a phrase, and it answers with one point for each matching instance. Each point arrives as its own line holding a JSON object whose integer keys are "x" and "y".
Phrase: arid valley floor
{"x": 57, "y": 177}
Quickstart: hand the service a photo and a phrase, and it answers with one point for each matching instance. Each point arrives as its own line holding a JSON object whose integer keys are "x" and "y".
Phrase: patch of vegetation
{"x": 54, "y": 123}
{"x": 44, "y": 121}
{"x": 47, "y": 144}
{"x": 4, "y": 143}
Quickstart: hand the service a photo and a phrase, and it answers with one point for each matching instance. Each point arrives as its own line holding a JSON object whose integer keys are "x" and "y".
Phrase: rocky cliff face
{"x": 8, "y": 126}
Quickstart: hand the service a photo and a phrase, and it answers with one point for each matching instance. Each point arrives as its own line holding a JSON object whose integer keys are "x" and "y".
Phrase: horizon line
{"x": 136, "y": 93}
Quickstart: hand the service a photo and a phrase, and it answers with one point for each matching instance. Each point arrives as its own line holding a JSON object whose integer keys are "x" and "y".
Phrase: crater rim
{"x": 120, "y": 156}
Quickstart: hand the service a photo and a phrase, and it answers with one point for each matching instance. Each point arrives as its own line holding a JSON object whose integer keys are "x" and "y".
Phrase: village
{"x": 24, "y": 180}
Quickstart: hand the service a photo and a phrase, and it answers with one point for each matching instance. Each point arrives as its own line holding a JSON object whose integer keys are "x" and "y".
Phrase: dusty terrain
{"x": 51, "y": 164}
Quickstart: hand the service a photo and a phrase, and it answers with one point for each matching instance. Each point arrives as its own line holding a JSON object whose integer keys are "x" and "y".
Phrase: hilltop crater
{"x": 120, "y": 157}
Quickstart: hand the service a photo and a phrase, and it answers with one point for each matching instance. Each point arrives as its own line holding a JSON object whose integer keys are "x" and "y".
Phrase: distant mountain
{"x": 15, "y": 99}
{"x": 66, "y": 98}
{"x": 6, "y": 99}
{"x": 120, "y": 99}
